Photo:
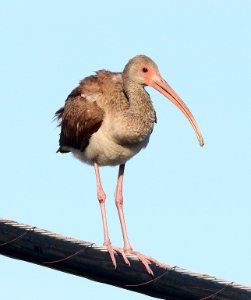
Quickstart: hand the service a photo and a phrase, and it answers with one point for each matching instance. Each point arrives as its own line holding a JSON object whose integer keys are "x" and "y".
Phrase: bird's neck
{"x": 135, "y": 124}
{"x": 140, "y": 103}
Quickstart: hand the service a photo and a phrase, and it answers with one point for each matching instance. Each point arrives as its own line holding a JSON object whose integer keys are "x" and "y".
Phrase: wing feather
{"x": 81, "y": 116}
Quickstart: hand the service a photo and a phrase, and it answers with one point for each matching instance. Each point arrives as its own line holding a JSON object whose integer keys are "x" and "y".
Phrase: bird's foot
{"x": 146, "y": 260}
{"x": 111, "y": 250}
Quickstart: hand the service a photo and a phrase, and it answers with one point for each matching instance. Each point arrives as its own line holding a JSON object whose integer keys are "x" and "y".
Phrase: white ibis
{"x": 108, "y": 119}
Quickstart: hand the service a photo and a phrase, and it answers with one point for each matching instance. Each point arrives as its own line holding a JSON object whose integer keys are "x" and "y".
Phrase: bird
{"x": 106, "y": 120}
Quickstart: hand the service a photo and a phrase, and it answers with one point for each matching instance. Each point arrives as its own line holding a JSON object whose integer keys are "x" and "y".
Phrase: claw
{"x": 122, "y": 252}
{"x": 146, "y": 260}
{"x": 111, "y": 249}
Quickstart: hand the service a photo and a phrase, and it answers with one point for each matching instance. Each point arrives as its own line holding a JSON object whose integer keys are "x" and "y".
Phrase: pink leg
{"x": 101, "y": 198}
{"x": 127, "y": 246}
{"x": 119, "y": 204}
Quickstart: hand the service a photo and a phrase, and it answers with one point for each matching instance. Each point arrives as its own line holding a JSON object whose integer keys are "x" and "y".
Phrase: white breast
{"x": 105, "y": 151}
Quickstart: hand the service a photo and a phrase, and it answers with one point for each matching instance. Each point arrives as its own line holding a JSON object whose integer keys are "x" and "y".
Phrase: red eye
{"x": 145, "y": 70}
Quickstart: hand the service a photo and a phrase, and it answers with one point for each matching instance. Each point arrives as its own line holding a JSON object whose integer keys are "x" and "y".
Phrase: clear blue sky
{"x": 185, "y": 205}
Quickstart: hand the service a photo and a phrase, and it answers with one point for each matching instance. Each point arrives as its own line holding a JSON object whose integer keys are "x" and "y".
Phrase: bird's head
{"x": 144, "y": 71}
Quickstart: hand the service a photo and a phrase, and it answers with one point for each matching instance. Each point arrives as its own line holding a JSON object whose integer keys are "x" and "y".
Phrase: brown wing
{"x": 81, "y": 116}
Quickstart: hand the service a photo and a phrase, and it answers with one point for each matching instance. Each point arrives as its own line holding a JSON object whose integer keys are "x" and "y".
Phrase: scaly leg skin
{"x": 127, "y": 246}
{"x": 101, "y": 198}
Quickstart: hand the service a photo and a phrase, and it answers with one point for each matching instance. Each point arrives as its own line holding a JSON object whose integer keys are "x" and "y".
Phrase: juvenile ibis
{"x": 108, "y": 119}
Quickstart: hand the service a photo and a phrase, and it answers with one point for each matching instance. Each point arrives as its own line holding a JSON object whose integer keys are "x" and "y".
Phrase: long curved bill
{"x": 159, "y": 84}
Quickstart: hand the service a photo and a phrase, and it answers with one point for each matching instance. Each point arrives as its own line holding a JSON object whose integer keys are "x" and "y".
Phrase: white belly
{"x": 105, "y": 151}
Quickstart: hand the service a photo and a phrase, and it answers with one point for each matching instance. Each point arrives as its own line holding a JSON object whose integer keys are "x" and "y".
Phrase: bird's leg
{"x": 119, "y": 205}
{"x": 127, "y": 246}
{"x": 101, "y": 198}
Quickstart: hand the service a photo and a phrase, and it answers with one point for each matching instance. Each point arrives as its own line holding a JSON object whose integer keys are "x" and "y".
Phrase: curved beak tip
{"x": 201, "y": 141}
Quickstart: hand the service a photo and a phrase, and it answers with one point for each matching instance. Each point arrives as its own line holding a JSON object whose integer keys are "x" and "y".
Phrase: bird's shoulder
{"x": 88, "y": 99}
{"x": 113, "y": 95}
{"x": 81, "y": 115}
{"x": 99, "y": 86}
{"x": 85, "y": 107}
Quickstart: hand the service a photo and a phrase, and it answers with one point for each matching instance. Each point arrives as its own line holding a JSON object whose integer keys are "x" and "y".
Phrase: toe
{"x": 110, "y": 250}
{"x": 144, "y": 261}
{"x": 122, "y": 252}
